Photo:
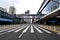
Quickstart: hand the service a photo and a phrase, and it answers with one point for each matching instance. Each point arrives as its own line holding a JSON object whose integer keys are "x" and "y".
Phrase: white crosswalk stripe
{"x": 5, "y": 30}
{"x": 32, "y": 30}
{"x": 26, "y": 29}
{"x": 44, "y": 30}
{"x": 19, "y": 29}
{"x": 12, "y": 30}
{"x": 38, "y": 30}
{"x": 23, "y": 32}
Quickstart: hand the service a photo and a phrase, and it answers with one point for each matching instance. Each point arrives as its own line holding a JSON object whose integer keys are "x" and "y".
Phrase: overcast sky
{"x": 22, "y": 5}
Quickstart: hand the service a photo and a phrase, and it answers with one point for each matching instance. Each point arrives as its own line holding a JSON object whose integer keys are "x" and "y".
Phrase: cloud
{"x": 32, "y": 5}
{"x": 22, "y": 5}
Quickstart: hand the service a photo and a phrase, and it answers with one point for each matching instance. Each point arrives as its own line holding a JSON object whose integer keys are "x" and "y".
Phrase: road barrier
{"x": 51, "y": 27}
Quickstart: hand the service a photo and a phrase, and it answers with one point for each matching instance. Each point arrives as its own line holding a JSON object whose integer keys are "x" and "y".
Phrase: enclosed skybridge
{"x": 29, "y": 16}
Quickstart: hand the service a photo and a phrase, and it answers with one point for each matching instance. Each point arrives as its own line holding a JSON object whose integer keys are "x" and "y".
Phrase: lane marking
{"x": 20, "y": 35}
{"x": 19, "y": 29}
{"x": 38, "y": 30}
{"x": 24, "y": 31}
{"x": 12, "y": 30}
{"x": 32, "y": 30}
{"x": 44, "y": 30}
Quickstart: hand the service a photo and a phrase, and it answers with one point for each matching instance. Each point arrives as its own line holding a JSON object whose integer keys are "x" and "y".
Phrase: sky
{"x": 22, "y": 5}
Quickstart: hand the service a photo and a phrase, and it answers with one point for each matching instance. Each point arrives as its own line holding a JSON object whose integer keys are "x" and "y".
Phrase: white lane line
{"x": 23, "y": 32}
{"x": 38, "y": 30}
{"x": 44, "y": 30}
{"x": 19, "y": 29}
{"x": 32, "y": 30}
{"x": 12, "y": 30}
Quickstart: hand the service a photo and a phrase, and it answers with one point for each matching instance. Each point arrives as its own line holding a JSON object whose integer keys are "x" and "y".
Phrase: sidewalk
{"x": 55, "y": 28}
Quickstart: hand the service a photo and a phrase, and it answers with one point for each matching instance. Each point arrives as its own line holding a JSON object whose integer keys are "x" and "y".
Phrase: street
{"x": 28, "y": 32}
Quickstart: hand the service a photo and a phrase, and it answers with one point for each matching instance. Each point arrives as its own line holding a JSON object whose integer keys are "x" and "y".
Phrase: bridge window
{"x": 52, "y": 5}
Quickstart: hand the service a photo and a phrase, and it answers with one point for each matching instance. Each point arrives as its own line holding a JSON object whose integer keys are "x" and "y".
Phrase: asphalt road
{"x": 28, "y": 32}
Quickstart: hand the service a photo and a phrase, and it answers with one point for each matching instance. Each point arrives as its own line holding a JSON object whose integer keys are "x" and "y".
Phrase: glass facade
{"x": 4, "y": 15}
{"x": 51, "y": 6}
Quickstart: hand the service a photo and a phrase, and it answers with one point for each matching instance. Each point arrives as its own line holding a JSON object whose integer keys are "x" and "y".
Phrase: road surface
{"x": 28, "y": 32}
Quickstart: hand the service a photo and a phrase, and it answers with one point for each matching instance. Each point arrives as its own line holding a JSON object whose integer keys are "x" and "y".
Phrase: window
{"x": 51, "y": 6}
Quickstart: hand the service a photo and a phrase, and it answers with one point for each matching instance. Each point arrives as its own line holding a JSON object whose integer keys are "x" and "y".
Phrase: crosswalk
{"x": 44, "y": 30}
{"x": 32, "y": 27}
{"x": 38, "y": 30}
{"x": 12, "y": 30}
{"x": 19, "y": 29}
{"x": 32, "y": 30}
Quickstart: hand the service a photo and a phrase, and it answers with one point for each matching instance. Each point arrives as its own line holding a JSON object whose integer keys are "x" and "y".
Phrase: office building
{"x": 27, "y": 13}
{"x": 3, "y": 9}
{"x": 12, "y": 10}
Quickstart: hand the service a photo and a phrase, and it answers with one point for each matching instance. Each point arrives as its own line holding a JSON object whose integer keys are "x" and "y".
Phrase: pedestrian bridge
{"x": 29, "y": 16}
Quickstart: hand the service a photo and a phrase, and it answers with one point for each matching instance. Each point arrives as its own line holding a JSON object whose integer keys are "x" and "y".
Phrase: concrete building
{"x": 25, "y": 16}
{"x": 3, "y": 9}
{"x": 27, "y": 13}
{"x": 12, "y": 10}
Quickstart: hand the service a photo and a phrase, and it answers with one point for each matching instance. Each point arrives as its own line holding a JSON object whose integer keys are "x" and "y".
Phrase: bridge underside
{"x": 4, "y": 22}
{"x": 51, "y": 18}
{"x": 30, "y": 18}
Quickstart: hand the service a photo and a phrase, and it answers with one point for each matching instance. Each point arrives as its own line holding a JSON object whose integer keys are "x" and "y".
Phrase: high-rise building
{"x": 27, "y": 13}
{"x": 12, "y": 10}
{"x": 3, "y": 9}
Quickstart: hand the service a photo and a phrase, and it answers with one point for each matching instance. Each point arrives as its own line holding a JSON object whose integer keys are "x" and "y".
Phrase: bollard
{"x": 47, "y": 26}
{"x": 54, "y": 28}
{"x": 4, "y": 26}
{"x": 50, "y": 28}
